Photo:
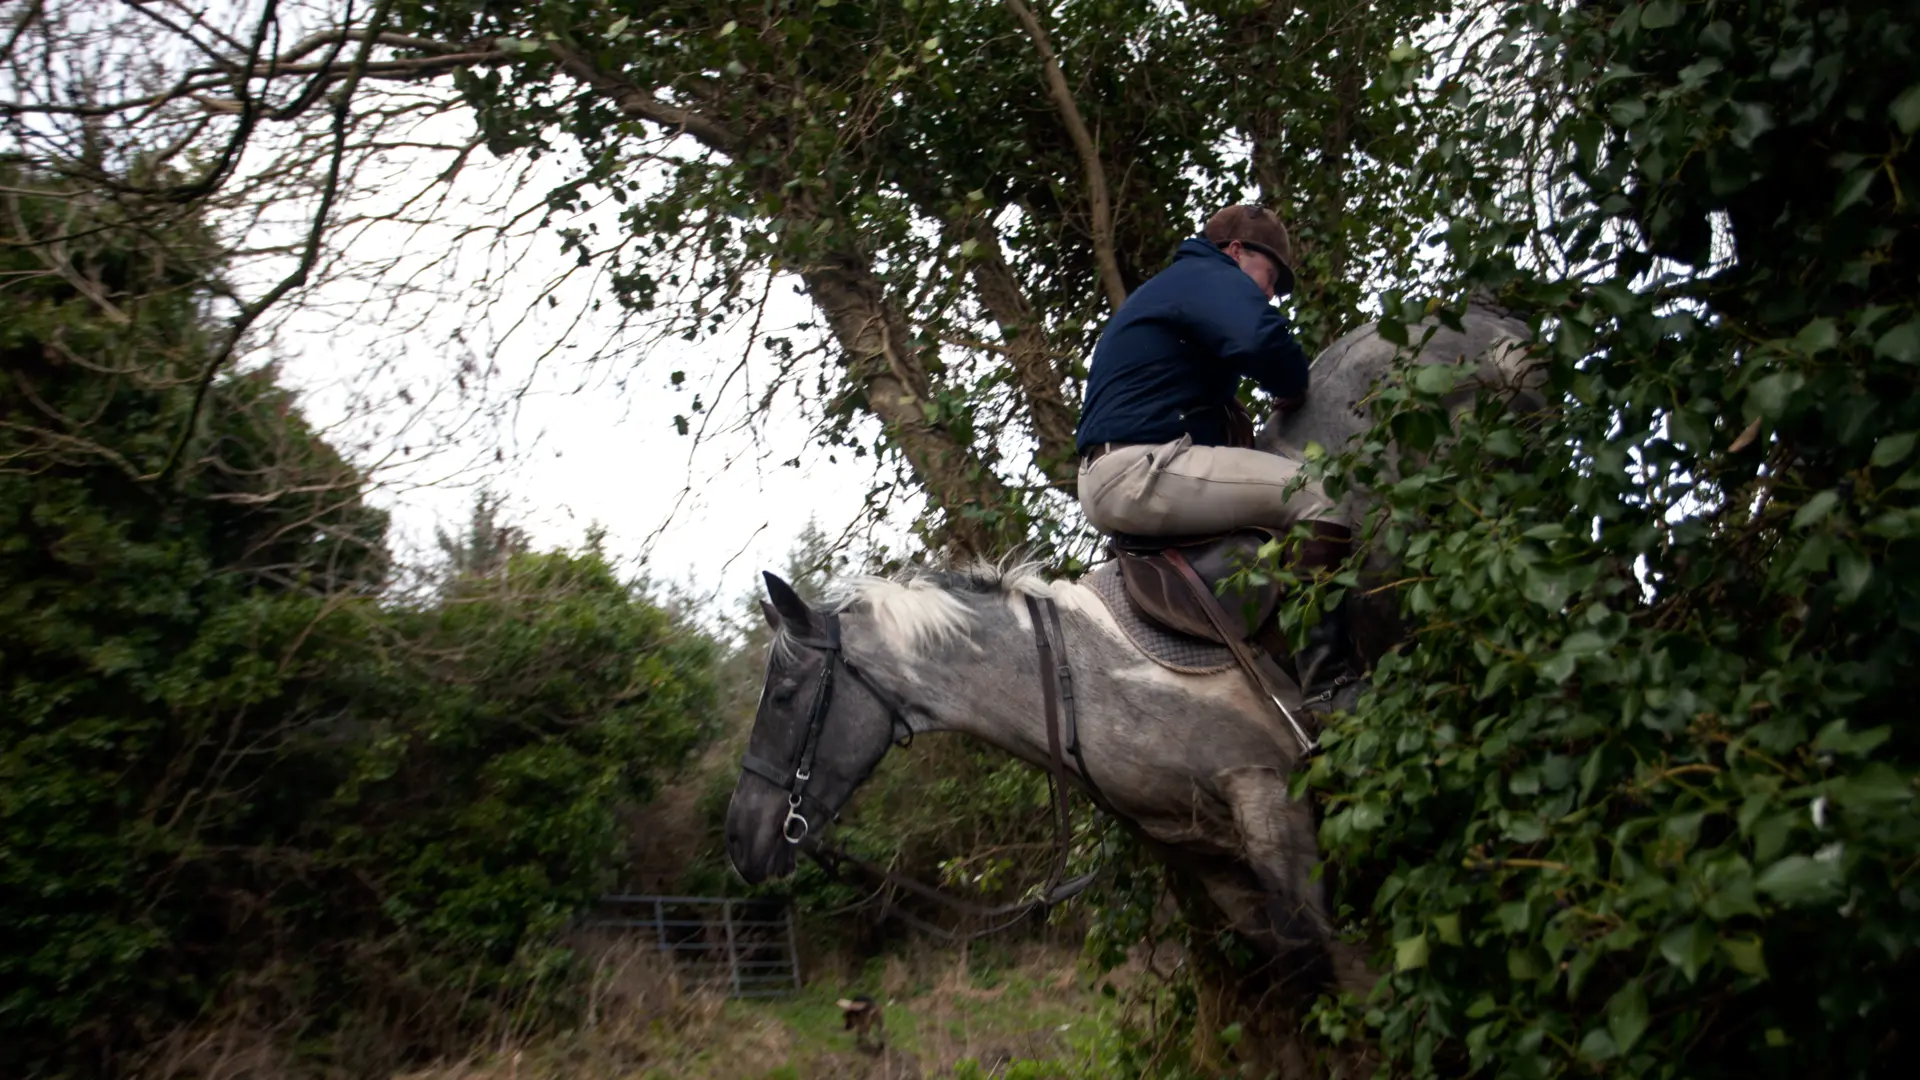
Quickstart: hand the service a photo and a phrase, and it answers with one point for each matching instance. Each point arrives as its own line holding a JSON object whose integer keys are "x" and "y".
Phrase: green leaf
{"x": 1814, "y": 510}
{"x": 1878, "y": 787}
{"x": 1410, "y": 953}
{"x": 1835, "y": 738}
{"x": 1627, "y": 1016}
{"x": 1584, "y": 643}
{"x": 1893, "y": 449}
{"x": 1616, "y": 297}
{"x": 1546, "y": 532}
{"x": 1448, "y": 928}
{"x": 1598, "y": 1045}
{"x": 1689, "y": 948}
{"x": 1853, "y": 571}
{"x": 1900, "y": 344}
{"x": 1231, "y": 1034}
{"x": 1817, "y": 337}
{"x": 1746, "y": 955}
{"x": 1853, "y": 188}
{"x": 1800, "y": 880}
{"x": 1434, "y": 378}
{"x": 1771, "y": 394}
{"x": 619, "y": 24}
{"x": 1497, "y": 677}
{"x": 1548, "y": 586}
{"x": 1905, "y": 109}
{"x": 1658, "y": 15}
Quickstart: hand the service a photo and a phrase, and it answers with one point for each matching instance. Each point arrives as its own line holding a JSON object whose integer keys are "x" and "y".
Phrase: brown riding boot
{"x": 1328, "y": 661}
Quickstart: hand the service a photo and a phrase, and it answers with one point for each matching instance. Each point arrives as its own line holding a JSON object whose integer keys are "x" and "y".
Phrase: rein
{"x": 1056, "y": 684}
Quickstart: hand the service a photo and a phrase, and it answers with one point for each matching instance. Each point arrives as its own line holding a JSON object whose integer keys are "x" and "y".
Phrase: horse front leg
{"x": 1278, "y": 845}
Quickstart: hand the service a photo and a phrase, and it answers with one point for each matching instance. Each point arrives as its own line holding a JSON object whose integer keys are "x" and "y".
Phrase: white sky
{"x": 580, "y": 411}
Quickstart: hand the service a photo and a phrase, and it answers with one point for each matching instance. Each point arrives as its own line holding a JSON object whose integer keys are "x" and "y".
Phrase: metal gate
{"x": 745, "y": 947}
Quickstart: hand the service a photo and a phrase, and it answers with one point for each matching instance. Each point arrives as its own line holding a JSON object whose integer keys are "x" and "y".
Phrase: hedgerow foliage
{"x": 235, "y": 778}
{"x": 1638, "y": 797}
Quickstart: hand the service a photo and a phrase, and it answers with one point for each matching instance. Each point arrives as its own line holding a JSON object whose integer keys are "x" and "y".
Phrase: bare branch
{"x": 342, "y": 116}
{"x": 1096, "y": 174}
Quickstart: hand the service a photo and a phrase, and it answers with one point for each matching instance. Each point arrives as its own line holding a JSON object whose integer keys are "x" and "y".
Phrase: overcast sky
{"x": 470, "y": 376}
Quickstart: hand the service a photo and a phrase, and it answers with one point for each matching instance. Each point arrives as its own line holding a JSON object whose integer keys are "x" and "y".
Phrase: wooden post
{"x": 733, "y": 957}
{"x": 793, "y": 949}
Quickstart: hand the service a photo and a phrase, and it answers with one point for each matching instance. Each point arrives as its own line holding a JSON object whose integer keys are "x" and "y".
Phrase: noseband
{"x": 794, "y": 780}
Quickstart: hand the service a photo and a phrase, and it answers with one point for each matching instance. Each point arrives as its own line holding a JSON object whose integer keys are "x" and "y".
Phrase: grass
{"x": 1021, "y": 1015}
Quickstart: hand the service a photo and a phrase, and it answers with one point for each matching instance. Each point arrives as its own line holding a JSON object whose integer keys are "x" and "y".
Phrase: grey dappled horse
{"x": 1192, "y": 763}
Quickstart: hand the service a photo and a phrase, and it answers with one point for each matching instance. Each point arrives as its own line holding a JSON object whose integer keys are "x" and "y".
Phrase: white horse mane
{"x": 920, "y": 608}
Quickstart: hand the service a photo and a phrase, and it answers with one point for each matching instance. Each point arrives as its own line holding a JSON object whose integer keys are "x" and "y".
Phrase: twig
{"x": 342, "y": 113}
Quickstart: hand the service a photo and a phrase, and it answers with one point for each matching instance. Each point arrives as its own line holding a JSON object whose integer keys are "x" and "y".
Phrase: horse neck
{"x": 982, "y": 683}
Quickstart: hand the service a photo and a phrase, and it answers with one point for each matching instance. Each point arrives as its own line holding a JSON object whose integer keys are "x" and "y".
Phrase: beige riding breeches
{"x": 1179, "y": 489}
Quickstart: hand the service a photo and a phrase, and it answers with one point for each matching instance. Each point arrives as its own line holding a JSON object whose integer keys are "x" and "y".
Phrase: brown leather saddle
{"x": 1172, "y": 581}
{"x": 1164, "y": 590}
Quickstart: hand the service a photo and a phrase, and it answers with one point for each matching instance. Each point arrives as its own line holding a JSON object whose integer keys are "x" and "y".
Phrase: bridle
{"x": 794, "y": 779}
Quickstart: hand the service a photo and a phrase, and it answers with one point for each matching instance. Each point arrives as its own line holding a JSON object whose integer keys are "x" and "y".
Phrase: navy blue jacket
{"x": 1174, "y": 354}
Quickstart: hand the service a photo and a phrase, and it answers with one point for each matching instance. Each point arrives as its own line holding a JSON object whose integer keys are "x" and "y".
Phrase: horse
{"x": 1194, "y": 764}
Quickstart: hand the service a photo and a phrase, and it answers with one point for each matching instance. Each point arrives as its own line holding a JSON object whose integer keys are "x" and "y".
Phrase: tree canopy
{"x": 1635, "y": 797}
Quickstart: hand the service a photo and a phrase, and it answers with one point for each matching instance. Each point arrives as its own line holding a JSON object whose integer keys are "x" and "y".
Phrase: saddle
{"x": 1172, "y": 581}
{"x": 1161, "y": 589}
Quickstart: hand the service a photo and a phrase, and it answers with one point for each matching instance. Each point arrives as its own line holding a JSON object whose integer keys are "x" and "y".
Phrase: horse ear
{"x": 787, "y": 603}
{"x": 773, "y": 617}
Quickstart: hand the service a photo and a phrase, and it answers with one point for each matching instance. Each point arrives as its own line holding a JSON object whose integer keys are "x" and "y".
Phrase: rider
{"x": 1159, "y": 453}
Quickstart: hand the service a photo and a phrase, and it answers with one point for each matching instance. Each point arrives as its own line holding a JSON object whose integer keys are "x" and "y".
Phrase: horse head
{"x": 821, "y": 728}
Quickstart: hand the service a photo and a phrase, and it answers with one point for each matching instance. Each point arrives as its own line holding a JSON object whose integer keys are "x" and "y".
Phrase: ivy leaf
{"x": 1853, "y": 188}
{"x": 1771, "y": 394}
{"x": 1598, "y": 1045}
{"x": 1892, "y": 450}
{"x": 1627, "y": 1016}
{"x": 1877, "y": 788}
{"x": 1410, "y": 953}
{"x": 1817, "y": 336}
{"x": 1548, "y": 586}
{"x": 1836, "y": 739}
{"x": 1746, "y": 955}
{"x": 1816, "y": 508}
{"x": 1900, "y": 344}
{"x": 1434, "y": 379}
{"x": 1689, "y": 948}
{"x": 1659, "y": 15}
{"x": 1854, "y": 571}
{"x": 1905, "y": 109}
{"x": 1800, "y": 880}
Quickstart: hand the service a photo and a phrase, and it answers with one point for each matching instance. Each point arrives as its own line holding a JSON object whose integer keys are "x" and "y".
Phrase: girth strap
{"x": 1050, "y": 680}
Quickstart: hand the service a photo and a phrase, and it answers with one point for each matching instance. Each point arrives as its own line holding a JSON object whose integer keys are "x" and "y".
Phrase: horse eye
{"x": 783, "y": 693}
